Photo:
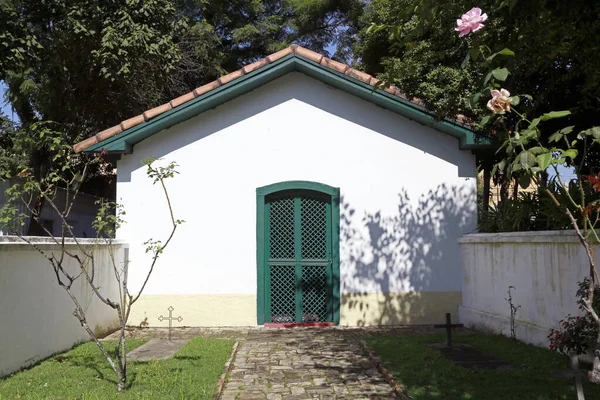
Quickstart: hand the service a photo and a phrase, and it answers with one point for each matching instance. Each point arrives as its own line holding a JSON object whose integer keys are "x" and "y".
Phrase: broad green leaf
{"x": 487, "y": 78}
{"x": 503, "y": 52}
{"x": 595, "y": 131}
{"x": 500, "y": 74}
{"x": 537, "y": 150}
{"x": 555, "y": 114}
{"x": 555, "y": 137}
{"x": 465, "y": 60}
{"x": 475, "y": 99}
{"x": 515, "y": 101}
{"x": 567, "y": 130}
{"x": 485, "y": 120}
{"x": 526, "y": 159}
{"x": 544, "y": 160}
{"x": 571, "y": 153}
{"x": 506, "y": 52}
{"x": 528, "y": 134}
{"x": 534, "y": 123}
{"x": 516, "y": 167}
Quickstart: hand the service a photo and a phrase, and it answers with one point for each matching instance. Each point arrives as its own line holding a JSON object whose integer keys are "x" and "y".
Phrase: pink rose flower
{"x": 500, "y": 101}
{"x": 470, "y": 22}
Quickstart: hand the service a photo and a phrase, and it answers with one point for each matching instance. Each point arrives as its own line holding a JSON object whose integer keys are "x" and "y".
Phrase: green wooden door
{"x": 299, "y": 271}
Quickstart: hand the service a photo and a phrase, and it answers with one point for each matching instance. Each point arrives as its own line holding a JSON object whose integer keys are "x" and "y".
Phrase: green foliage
{"x": 11, "y": 158}
{"x": 577, "y": 334}
{"x": 47, "y": 164}
{"x": 413, "y": 44}
{"x": 192, "y": 373}
{"x": 536, "y": 211}
{"x": 160, "y": 173}
{"x": 88, "y": 65}
{"x": 109, "y": 218}
{"x": 71, "y": 62}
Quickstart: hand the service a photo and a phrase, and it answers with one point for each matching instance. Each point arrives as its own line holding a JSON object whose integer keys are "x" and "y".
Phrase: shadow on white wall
{"x": 412, "y": 251}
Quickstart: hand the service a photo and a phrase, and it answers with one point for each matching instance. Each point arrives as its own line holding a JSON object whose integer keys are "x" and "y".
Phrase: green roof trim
{"x": 124, "y": 142}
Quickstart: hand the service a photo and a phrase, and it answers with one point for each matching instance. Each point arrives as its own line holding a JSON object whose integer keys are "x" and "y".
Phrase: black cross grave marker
{"x": 170, "y": 318}
{"x": 448, "y": 325}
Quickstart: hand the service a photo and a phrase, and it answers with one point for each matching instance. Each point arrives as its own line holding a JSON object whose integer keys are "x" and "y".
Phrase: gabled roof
{"x": 122, "y": 137}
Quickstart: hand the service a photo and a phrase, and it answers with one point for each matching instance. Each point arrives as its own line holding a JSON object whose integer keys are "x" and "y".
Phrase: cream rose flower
{"x": 500, "y": 101}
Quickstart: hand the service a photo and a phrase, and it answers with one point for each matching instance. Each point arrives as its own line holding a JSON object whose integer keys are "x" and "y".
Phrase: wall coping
{"x": 563, "y": 236}
{"x": 14, "y": 242}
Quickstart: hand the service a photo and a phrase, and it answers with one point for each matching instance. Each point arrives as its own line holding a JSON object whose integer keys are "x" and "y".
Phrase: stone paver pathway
{"x": 303, "y": 364}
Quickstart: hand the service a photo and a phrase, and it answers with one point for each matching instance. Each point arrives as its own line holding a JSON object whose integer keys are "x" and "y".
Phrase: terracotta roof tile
{"x": 183, "y": 99}
{"x": 361, "y": 76}
{"x": 110, "y": 132}
{"x": 131, "y": 122}
{"x": 231, "y": 76}
{"x": 206, "y": 88}
{"x": 301, "y": 51}
{"x": 393, "y": 90}
{"x": 84, "y": 144}
{"x": 156, "y": 111}
{"x": 311, "y": 55}
{"x": 280, "y": 54}
{"x": 255, "y": 65}
{"x": 338, "y": 66}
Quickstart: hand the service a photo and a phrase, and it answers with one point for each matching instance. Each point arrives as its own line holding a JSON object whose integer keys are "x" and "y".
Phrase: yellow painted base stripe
{"x": 196, "y": 309}
{"x": 386, "y": 308}
{"x": 357, "y": 309}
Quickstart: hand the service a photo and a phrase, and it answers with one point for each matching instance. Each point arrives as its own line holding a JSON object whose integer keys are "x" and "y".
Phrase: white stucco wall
{"x": 37, "y": 315}
{"x": 544, "y": 268}
{"x": 408, "y": 194}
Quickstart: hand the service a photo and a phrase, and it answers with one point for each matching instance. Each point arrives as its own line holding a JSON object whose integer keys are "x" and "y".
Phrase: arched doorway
{"x": 298, "y": 253}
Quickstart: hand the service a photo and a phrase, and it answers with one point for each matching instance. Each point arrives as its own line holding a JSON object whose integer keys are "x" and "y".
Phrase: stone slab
{"x": 156, "y": 349}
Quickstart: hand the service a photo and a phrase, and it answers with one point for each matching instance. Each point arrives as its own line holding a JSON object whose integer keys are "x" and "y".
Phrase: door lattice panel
{"x": 283, "y": 293}
{"x": 314, "y": 293}
{"x": 299, "y": 259}
{"x": 314, "y": 228}
{"x": 282, "y": 228}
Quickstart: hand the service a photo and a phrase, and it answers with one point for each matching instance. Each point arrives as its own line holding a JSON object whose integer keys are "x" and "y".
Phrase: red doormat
{"x": 297, "y": 324}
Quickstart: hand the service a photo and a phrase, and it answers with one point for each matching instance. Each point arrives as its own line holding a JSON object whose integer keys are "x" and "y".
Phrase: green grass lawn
{"x": 82, "y": 373}
{"x": 427, "y": 374}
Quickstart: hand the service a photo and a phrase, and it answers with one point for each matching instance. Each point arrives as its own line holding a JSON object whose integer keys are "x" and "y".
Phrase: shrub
{"x": 535, "y": 211}
{"x": 577, "y": 334}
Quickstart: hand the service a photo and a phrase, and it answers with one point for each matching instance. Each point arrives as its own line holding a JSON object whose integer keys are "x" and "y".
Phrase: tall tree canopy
{"x": 85, "y": 65}
{"x": 556, "y": 44}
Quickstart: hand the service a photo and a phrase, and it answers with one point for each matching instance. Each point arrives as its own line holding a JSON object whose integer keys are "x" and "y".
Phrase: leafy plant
{"x": 577, "y": 334}
{"x": 536, "y": 211}
{"x": 68, "y": 171}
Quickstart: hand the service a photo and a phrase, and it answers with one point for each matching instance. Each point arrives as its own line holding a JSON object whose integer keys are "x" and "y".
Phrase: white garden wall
{"x": 36, "y": 316}
{"x": 408, "y": 194}
{"x": 544, "y": 268}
